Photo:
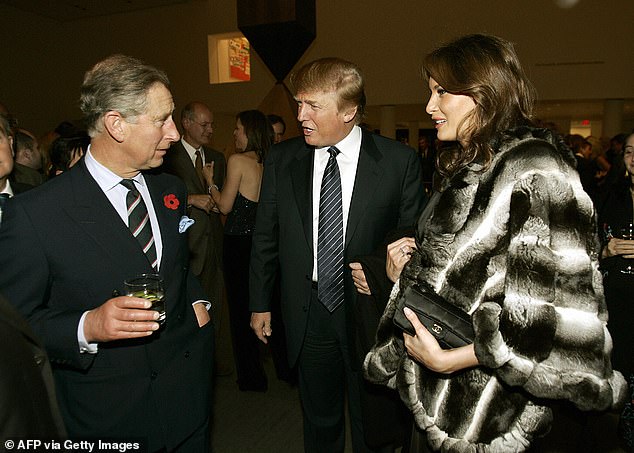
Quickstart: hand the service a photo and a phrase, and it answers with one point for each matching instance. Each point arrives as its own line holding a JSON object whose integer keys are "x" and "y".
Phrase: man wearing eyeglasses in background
{"x": 186, "y": 159}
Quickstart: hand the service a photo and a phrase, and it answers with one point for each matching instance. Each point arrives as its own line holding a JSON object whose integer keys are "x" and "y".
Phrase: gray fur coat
{"x": 516, "y": 247}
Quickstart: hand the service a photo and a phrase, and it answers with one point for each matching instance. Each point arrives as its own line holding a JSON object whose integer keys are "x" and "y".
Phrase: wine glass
{"x": 627, "y": 234}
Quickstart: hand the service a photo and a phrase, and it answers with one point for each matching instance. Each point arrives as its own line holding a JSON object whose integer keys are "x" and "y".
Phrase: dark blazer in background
{"x": 206, "y": 234}
{"x": 28, "y": 406}
{"x": 20, "y": 187}
{"x": 26, "y": 175}
{"x": 65, "y": 250}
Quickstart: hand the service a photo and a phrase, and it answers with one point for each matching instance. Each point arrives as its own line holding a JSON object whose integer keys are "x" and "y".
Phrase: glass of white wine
{"x": 150, "y": 287}
{"x": 627, "y": 233}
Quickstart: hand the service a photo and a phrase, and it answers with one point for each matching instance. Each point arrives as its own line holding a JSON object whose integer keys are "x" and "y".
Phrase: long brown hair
{"x": 258, "y": 130}
{"x": 487, "y": 69}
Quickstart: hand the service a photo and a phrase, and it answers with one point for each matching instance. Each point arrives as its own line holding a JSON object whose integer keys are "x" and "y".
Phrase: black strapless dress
{"x": 236, "y": 255}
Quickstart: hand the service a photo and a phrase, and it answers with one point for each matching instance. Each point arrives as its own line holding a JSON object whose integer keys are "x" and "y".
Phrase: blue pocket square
{"x": 185, "y": 223}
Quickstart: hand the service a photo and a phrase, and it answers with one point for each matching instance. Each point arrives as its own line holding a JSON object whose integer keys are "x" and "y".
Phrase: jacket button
{"x": 187, "y": 354}
{"x": 154, "y": 375}
{"x": 39, "y": 360}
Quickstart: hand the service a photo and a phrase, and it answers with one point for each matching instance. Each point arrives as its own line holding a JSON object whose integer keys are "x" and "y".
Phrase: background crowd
{"x": 495, "y": 214}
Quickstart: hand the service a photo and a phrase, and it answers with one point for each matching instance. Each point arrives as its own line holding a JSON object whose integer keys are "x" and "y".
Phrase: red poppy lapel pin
{"x": 171, "y": 202}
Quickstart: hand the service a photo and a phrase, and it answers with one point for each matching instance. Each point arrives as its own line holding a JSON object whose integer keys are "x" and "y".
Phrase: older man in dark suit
{"x": 67, "y": 247}
{"x": 327, "y": 198}
{"x": 186, "y": 159}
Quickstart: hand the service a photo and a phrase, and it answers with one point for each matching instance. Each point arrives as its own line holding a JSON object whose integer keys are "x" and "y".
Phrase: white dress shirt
{"x": 192, "y": 152}
{"x": 8, "y": 189}
{"x": 347, "y": 160}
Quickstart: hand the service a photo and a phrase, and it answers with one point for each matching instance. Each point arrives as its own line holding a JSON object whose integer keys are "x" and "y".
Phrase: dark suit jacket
{"x": 26, "y": 175}
{"x": 387, "y": 193}
{"x": 205, "y": 236}
{"x": 28, "y": 407}
{"x": 64, "y": 251}
{"x": 19, "y": 187}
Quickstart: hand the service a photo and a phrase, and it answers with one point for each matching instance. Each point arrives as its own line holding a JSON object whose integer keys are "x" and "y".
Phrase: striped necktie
{"x": 139, "y": 221}
{"x": 330, "y": 291}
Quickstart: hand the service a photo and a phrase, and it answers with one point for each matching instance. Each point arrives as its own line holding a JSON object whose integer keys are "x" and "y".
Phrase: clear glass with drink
{"x": 150, "y": 287}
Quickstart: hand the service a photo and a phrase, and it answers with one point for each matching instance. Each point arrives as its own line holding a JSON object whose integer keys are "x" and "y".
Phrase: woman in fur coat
{"x": 512, "y": 241}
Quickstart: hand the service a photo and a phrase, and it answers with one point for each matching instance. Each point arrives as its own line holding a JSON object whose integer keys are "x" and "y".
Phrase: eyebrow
{"x": 310, "y": 102}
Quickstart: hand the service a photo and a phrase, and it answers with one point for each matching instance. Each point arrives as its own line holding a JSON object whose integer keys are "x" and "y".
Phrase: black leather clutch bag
{"x": 451, "y": 326}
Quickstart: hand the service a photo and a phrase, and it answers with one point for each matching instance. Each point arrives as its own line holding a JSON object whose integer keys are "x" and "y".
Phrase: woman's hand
{"x": 424, "y": 348}
{"x": 615, "y": 247}
{"x": 359, "y": 280}
{"x": 208, "y": 173}
{"x": 398, "y": 254}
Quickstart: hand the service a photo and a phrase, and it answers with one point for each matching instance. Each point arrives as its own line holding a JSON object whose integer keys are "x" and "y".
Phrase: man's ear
{"x": 185, "y": 123}
{"x": 116, "y": 125}
{"x": 350, "y": 113}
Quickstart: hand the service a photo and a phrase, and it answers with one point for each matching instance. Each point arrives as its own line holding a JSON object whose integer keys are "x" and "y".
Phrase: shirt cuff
{"x": 84, "y": 346}
{"x": 206, "y": 302}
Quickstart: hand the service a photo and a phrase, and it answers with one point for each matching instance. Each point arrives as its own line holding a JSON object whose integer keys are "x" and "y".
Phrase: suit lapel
{"x": 367, "y": 181}
{"x": 92, "y": 210}
{"x": 302, "y": 177}
{"x": 183, "y": 161}
{"x": 165, "y": 217}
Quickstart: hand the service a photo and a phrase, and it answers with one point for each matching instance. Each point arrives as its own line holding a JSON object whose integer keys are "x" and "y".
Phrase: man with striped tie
{"x": 327, "y": 198}
{"x": 67, "y": 249}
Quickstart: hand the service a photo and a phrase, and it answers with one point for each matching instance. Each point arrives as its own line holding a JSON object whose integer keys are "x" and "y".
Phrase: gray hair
{"x": 118, "y": 83}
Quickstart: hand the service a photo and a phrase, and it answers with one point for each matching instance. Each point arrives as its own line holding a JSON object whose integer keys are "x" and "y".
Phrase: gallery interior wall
{"x": 582, "y": 52}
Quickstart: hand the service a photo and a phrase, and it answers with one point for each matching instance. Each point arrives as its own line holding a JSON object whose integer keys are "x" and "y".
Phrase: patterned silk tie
{"x": 198, "y": 164}
{"x": 330, "y": 291}
{"x": 139, "y": 222}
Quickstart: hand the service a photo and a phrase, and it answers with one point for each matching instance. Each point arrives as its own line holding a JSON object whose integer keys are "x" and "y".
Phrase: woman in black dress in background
{"x": 239, "y": 200}
{"x": 616, "y": 215}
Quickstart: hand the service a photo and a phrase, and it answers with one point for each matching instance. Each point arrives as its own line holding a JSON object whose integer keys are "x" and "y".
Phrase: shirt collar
{"x": 350, "y": 144}
{"x": 190, "y": 149}
{"x": 8, "y": 189}
{"x": 105, "y": 178}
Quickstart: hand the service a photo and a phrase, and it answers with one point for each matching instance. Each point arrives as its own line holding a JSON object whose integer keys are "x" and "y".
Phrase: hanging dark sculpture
{"x": 280, "y": 31}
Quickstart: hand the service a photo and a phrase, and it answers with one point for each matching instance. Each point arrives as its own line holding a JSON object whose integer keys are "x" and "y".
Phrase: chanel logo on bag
{"x": 450, "y": 325}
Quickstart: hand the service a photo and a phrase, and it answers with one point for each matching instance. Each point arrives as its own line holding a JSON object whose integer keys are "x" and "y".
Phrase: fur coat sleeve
{"x": 516, "y": 247}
